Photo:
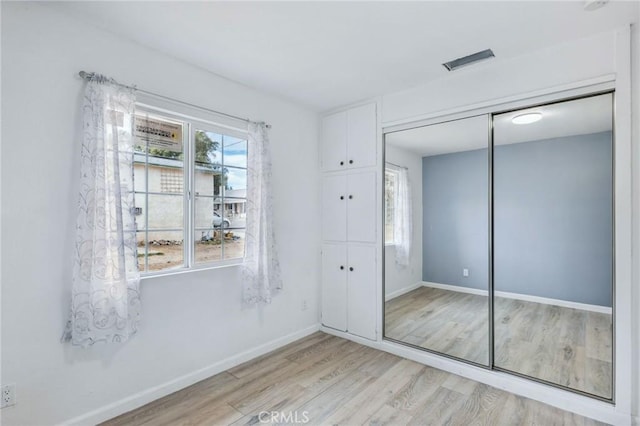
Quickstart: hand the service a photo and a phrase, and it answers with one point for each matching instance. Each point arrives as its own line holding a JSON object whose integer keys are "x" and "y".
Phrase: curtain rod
{"x": 88, "y": 75}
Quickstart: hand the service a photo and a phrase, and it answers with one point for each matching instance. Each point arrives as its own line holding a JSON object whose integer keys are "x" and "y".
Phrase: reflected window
{"x": 390, "y": 193}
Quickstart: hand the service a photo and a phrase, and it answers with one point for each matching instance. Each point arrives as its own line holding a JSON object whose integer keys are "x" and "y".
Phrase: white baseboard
{"x": 550, "y": 395}
{"x": 148, "y": 395}
{"x": 402, "y": 291}
{"x": 524, "y": 297}
{"x": 457, "y": 288}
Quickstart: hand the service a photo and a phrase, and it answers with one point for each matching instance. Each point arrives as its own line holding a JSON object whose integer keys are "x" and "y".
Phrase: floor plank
{"x": 566, "y": 346}
{"x": 332, "y": 381}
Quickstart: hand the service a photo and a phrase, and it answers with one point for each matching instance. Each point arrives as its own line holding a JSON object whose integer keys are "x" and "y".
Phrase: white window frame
{"x": 190, "y": 125}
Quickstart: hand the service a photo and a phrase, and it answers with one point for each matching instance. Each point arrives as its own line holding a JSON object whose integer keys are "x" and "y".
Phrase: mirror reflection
{"x": 436, "y": 238}
{"x": 553, "y": 243}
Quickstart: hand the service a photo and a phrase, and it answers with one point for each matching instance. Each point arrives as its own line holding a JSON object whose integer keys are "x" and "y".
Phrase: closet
{"x": 514, "y": 240}
{"x": 349, "y": 227}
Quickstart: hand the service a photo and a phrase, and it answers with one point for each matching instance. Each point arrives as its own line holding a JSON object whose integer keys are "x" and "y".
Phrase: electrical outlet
{"x": 465, "y": 272}
{"x": 8, "y": 396}
{"x": 304, "y": 305}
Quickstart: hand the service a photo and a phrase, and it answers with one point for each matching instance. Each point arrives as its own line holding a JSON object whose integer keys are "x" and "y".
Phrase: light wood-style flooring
{"x": 332, "y": 381}
{"x": 570, "y": 347}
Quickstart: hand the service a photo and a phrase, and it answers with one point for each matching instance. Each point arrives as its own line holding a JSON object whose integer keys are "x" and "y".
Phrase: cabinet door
{"x": 361, "y": 136}
{"x": 361, "y": 293}
{"x": 361, "y": 207}
{"x": 334, "y": 142}
{"x": 334, "y": 208}
{"x": 334, "y": 286}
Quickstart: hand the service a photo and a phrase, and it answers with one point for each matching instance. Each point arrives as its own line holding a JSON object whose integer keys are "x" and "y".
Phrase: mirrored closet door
{"x": 499, "y": 241}
{"x": 437, "y": 238}
{"x": 553, "y": 243}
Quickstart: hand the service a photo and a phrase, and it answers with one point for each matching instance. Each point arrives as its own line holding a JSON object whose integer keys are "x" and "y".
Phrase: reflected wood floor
{"x": 570, "y": 347}
{"x": 339, "y": 382}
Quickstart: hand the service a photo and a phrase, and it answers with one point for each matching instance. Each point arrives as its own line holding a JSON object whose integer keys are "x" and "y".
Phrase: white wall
{"x": 191, "y": 321}
{"x": 397, "y": 277}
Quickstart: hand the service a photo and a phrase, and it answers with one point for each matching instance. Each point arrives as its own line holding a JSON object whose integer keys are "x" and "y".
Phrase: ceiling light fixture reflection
{"x": 528, "y": 118}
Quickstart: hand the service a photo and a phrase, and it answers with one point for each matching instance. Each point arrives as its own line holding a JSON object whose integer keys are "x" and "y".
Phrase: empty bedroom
{"x": 322, "y": 213}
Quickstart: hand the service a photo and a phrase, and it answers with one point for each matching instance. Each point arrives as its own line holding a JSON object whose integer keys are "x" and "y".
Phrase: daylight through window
{"x": 191, "y": 187}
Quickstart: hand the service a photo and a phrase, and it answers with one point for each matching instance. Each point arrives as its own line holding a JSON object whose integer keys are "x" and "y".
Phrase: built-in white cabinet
{"x": 349, "y": 211}
{"x": 349, "y": 206}
{"x": 348, "y": 288}
{"x": 349, "y": 139}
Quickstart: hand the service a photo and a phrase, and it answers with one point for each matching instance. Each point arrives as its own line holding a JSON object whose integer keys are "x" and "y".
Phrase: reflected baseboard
{"x": 402, "y": 291}
{"x": 517, "y": 296}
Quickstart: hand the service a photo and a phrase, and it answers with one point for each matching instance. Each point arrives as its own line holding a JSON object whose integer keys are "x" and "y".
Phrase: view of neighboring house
{"x": 159, "y": 191}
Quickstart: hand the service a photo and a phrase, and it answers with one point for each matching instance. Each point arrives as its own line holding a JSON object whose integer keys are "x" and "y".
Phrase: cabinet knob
{"x": 342, "y": 197}
{"x": 341, "y": 267}
{"x": 351, "y": 268}
{"x": 342, "y": 163}
{"x": 350, "y": 161}
{"x": 351, "y": 197}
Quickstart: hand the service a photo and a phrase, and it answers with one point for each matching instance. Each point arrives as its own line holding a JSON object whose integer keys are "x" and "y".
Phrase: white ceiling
{"x": 578, "y": 117}
{"x": 327, "y": 54}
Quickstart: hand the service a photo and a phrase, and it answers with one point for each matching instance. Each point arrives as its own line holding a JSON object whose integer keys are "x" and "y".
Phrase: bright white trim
{"x": 148, "y": 395}
{"x": 525, "y": 297}
{"x": 456, "y": 288}
{"x": 555, "y": 302}
{"x": 550, "y": 395}
{"x": 402, "y": 291}
{"x": 625, "y": 341}
{"x": 603, "y": 82}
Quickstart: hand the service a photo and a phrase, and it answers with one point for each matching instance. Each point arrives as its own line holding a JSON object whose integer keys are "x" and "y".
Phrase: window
{"x": 390, "y": 191}
{"x": 190, "y": 192}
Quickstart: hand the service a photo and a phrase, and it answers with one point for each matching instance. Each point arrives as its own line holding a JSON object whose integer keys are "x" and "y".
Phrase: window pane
{"x": 235, "y": 182}
{"x": 208, "y": 179}
{"x": 208, "y": 245}
{"x": 207, "y": 214}
{"x": 139, "y": 174}
{"x": 164, "y": 250}
{"x": 165, "y": 212}
{"x": 234, "y": 244}
{"x": 208, "y": 148}
{"x": 235, "y": 212}
{"x": 235, "y": 151}
{"x": 161, "y": 136}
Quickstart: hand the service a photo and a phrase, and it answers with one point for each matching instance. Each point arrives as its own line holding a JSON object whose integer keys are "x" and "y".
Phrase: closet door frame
{"x": 489, "y": 365}
{"x": 621, "y": 175}
{"x": 613, "y": 236}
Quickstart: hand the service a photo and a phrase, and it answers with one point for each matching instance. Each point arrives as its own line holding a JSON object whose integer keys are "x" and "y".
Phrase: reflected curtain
{"x": 105, "y": 296}
{"x": 261, "y": 269}
{"x": 402, "y": 224}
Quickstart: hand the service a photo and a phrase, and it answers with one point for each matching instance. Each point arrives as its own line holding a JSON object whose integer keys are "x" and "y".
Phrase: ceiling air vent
{"x": 468, "y": 60}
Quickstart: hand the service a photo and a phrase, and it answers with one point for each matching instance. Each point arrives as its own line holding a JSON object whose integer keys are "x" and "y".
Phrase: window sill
{"x": 207, "y": 267}
{"x": 390, "y": 244}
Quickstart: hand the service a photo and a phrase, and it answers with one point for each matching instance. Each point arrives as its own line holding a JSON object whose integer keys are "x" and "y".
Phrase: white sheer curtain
{"x": 105, "y": 298}
{"x": 402, "y": 221}
{"x": 261, "y": 269}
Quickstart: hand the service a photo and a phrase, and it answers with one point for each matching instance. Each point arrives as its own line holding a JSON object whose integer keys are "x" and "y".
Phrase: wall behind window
{"x": 191, "y": 321}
